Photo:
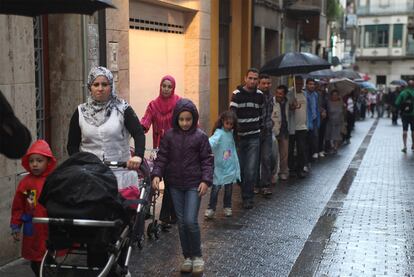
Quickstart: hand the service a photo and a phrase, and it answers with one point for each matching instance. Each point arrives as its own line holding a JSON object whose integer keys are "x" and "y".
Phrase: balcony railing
{"x": 392, "y": 8}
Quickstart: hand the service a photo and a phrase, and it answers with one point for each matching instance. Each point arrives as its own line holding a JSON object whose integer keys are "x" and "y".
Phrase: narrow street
{"x": 351, "y": 217}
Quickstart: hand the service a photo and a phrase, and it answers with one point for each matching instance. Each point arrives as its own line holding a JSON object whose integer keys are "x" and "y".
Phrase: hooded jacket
{"x": 25, "y": 205}
{"x": 226, "y": 161}
{"x": 184, "y": 159}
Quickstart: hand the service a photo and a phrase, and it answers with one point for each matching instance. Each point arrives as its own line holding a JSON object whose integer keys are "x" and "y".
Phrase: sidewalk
{"x": 372, "y": 233}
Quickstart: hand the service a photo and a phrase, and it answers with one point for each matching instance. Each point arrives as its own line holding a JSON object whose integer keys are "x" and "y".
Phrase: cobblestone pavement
{"x": 264, "y": 241}
{"x": 267, "y": 240}
{"x": 373, "y": 232}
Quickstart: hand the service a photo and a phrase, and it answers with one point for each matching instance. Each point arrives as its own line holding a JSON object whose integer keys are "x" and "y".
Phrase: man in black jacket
{"x": 15, "y": 138}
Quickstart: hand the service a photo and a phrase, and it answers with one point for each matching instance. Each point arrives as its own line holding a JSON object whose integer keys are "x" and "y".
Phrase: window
{"x": 376, "y": 36}
{"x": 410, "y": 45}
{"x": 224, "y": 53}
{"x": 397, "y": 35}
{"x": 407, "y": 77}
{"x": 381, "y": 79}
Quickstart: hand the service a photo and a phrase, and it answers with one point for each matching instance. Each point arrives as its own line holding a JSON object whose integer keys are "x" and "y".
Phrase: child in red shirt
{"x": 39, "y": 162}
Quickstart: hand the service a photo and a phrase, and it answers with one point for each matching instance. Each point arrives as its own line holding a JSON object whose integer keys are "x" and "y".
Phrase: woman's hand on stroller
{"x": 134, "y": 163}
{"x": 156, "y": 183}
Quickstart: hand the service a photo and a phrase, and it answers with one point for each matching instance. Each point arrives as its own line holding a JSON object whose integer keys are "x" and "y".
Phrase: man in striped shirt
{"x": 247, "y": 103}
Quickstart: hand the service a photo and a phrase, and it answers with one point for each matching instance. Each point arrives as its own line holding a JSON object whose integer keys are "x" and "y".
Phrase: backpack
{"x": 407, "y": 105}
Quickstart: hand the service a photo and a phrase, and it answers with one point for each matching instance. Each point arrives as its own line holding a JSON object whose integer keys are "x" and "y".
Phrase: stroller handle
{"x": 115, "y": 164}
{"x": 77, "y": 222}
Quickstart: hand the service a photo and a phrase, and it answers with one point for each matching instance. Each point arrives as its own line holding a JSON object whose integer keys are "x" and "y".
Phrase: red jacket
{"x": 25, "y": 205}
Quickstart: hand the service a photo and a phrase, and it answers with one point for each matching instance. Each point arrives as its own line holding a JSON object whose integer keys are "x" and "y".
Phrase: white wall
{"x": 393, "y": 71}
{"x": 153, "y": 55}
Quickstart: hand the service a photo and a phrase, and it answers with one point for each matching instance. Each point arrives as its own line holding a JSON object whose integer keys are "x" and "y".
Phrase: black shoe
{"x": 165, "y": 227}
{"x": 247, "y": 205}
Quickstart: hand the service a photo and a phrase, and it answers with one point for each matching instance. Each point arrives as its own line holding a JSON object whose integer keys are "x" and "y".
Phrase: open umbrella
{"x": 294, "y": 63}
{"x": 324, "y": 73}
{"x": 344, "y": 86}
{"x": 39, "y": 7}
{"x": 400, "y": 83}
{"x": 367, "y": 85}
{"x": 347, "y": 73}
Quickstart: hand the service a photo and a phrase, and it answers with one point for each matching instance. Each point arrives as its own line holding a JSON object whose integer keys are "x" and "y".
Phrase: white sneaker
{"x": 209, "y": 213}
{"x": 228, "y": 212}
{"x": 322, "y": 154}
{"x": 306, "y": 168}
{"x": 315, "y": 155}
{"x": 198, "y": 265}
{"x": 128, "y": 274}
{"x": 187, "y": 265}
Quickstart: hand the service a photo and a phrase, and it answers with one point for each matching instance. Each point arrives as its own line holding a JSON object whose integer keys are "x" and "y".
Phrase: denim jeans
{"x": 214, "y": 195}
{"x": 249, "y": 157}
{"x": 267, "y": 162}
{"x": 187, "y": 204}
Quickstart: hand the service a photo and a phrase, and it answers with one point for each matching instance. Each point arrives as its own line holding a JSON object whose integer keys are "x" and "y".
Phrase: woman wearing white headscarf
{"x": 104, "y": 124}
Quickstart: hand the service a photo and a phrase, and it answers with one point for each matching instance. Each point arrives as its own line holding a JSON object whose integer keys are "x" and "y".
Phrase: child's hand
{"x": 16, "y": 236}
{"x": 156, "y": 183}
{"x": 202, "y": 189}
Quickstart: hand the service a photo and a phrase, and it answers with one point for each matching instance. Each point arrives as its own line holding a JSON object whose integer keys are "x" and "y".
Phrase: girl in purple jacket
{"x": 185, "y": 161}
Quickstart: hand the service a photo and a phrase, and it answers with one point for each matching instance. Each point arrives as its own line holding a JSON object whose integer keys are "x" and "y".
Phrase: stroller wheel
{"x": 48, "y": 266}
{"x": 140, "y": 242}
{"x": 157, "y": 230}
{"x": 149, "y": 230}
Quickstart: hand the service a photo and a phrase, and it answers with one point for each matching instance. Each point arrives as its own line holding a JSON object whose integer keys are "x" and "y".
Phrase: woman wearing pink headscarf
{"x": 160, "y": 110}
{"x": 159, "y": 114}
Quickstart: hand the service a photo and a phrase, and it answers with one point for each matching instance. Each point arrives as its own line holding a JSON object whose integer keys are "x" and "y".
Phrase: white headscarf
{"x": 97, "y": 113}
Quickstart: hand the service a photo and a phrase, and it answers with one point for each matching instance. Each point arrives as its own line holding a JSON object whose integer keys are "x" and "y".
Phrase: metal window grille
{"x": 39, "y": 74}
{"x": 156, "y": 26}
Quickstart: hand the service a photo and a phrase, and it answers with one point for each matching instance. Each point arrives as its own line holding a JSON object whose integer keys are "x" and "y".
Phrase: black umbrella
{"x": 400, "y": 83}
{"x": 347, "y": 73}
{"x": 294, "y": 63}
{"x": 38, "y": 7}
{"x": 324, "y": 73}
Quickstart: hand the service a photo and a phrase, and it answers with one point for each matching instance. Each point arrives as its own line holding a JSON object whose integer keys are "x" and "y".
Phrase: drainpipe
{"x": 102, "y": 37}
{"x": 85, "y": 63}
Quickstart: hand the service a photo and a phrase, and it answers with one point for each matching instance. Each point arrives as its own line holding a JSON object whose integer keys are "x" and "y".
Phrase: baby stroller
{"x": 92, "y": 228}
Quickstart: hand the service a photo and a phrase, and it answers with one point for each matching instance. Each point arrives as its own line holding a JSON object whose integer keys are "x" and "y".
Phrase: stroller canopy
{"x": 82, "y": 187}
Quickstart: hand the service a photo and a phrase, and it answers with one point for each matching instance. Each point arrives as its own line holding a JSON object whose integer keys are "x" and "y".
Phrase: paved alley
{"x": 351, "y": 217}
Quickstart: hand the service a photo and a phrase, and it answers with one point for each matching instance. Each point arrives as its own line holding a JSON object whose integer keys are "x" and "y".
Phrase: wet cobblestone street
{"x": 373, "y": 234}
{"x": 264, "y": 241}
{"x": 353, "y": 216}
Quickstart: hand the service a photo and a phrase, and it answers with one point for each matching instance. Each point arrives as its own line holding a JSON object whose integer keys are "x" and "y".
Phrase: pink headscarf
{"x": 159, "y": 113}
{"x": 166, "y": 105}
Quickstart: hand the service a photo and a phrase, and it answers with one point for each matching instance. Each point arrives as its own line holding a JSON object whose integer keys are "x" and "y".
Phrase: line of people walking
{"x": 281, "y": 132}
{"x": 265, "y": 136}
